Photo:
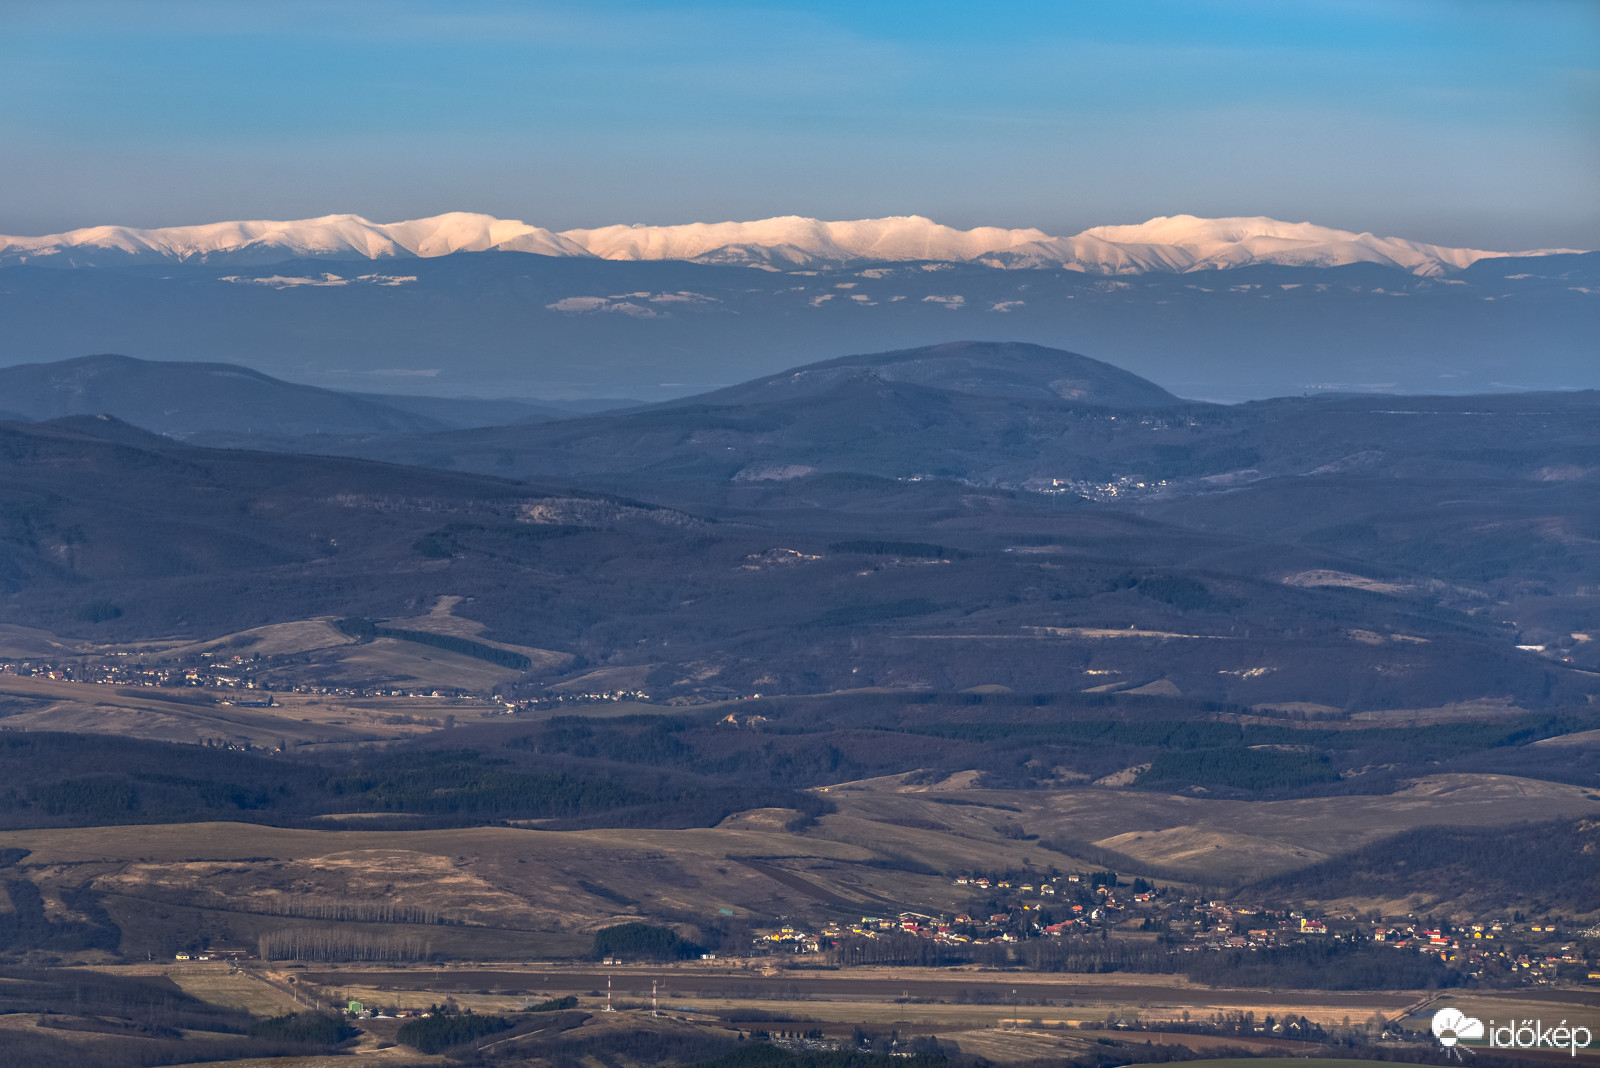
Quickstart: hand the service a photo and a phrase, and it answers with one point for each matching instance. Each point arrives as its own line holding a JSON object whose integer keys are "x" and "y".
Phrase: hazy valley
{"x": 460, "y": 305}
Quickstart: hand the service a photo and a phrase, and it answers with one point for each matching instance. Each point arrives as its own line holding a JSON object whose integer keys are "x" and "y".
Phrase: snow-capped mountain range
{"x": 1172, "y": 244}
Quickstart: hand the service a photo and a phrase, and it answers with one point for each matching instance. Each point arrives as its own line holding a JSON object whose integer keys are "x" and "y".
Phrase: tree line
{"x": 329, "y": 945}
{"x": 1332, "y": 965}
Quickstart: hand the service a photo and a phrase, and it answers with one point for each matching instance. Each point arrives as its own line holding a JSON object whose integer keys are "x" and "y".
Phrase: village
{"x": 211, "y": 670}
{"x": 203, "y": 671}
{"x": 1099, "y": 905}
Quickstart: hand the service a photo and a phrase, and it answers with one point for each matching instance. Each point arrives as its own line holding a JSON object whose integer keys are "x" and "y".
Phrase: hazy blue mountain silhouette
{"x": 227, "y": 402}
{"x": 1002, "y": 369}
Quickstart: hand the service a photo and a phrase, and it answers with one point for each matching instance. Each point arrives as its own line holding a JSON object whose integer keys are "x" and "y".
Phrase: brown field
{"x": 1024, "y": 1043}
{"x": 275, "y": 639}
{"x": 1026, "y": 1039}
{"x": 497, "y": 889}
{"x": 1488, "y": 708}
{"x": 932, "y": 997}
{"x": 1587, "y": 738}
{"x": 320, "y": 635}
{"x": 217, "y": 982}
{"x": 22, "y": 643}
{"x": 1575, "y": 1006}
{"x": 1215, "y": 841}
{"x": 390, "y": 661}
{"x": 323, "y": 657}
{"x": 194, "y": 714}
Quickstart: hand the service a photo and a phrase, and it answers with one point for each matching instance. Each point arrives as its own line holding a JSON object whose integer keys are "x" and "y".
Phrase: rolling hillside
{"x": 813, "y": 583}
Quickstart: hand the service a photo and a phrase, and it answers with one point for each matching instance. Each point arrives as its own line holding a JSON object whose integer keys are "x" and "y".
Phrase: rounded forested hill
{"x": 1009, "y": 369}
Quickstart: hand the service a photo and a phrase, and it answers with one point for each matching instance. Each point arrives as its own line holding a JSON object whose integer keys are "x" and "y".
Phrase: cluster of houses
{"x": 211, "y": 671}
{"x": 1120, "y": 488}
{"x": 555, "y": 700}
{"x": 359, "y": 1011}
{"x": 1540, "y": 950}
{"x": 1537, "y": 952}
{"x": 227, "y": 674}
{"x": 1093, "y": 903}
{"x": 1047, "y": 908}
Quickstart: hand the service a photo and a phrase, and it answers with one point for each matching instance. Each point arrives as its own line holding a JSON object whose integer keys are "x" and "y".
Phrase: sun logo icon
{"x": 1451, "y": 1026}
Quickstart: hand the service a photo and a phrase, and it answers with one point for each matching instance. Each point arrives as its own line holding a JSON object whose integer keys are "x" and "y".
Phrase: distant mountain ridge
{"x": 1010, "y": 416}
{"x": 1166, "y": 244}
{"x": 228, "y": 404}
{"x": 183, "y": 399}
{"x": 221, "y": 402}
{"x": 984, "y": 412}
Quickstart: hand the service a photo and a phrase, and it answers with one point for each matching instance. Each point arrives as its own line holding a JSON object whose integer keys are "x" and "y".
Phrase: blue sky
{"x": 1463, "y": 122}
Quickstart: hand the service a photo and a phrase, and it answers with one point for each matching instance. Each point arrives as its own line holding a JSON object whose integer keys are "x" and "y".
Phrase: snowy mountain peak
{"x": 1234, "y": 242}
{"x": 906, "y": 237}
{"x": 1164, "y": 244}
{"x": 1191, "y": 229}
{"x": 264, "y": 241}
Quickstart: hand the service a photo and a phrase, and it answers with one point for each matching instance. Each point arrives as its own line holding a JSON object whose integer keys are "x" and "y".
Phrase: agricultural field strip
{"x": 1335, "y": 823}
{"x": 234, "y": 989}
{"x": 937, "y": 996}
{"x": 884, "y": 1011}
{"x": 292, "y": 714}
{"x": 458, "y": 929}
{"x": 233, "y": 841}
{"x": 112, "y": 717}
{"x": 851, "y": 983}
